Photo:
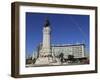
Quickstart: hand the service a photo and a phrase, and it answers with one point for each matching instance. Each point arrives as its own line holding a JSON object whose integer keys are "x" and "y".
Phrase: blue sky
{"x": 65, "y": 29}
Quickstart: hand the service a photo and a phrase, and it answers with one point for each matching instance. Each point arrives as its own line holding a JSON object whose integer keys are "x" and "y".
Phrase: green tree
{"x": 71, "y": 57}
{"x": 61, "y": 56}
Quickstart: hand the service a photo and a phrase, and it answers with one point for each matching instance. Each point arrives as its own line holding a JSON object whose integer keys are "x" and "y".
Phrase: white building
{"x": 77, "y": 50}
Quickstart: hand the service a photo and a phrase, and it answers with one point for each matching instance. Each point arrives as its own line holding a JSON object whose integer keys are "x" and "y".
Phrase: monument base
{"x": 44, "y": 60}
{"x": 47, "y": 61}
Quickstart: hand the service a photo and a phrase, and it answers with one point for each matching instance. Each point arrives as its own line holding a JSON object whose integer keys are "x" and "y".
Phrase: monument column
{"x": 45, "y": 56}
{"x": 46, "y": 39}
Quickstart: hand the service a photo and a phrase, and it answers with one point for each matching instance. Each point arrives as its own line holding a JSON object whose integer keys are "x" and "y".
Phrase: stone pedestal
{"x": 44, "y": 61}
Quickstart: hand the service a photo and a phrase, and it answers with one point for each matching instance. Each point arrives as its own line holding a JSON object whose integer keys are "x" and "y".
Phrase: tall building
{"x": 77, "y": 50}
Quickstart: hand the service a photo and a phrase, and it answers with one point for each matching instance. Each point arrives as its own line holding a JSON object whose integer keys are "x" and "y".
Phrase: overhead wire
{"x": 79, "y": 27}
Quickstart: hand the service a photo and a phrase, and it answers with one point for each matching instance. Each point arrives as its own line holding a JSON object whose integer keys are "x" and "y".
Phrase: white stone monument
{"x": 45, "y": 56}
